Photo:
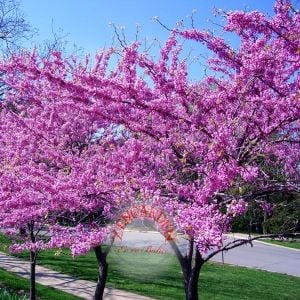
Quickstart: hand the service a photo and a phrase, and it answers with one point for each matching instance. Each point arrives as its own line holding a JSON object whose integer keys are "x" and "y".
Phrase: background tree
{"x": 14, "y": 28}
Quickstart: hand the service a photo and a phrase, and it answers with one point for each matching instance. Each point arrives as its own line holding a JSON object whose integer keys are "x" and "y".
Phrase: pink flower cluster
{"x": 79, "y": 144}
{"x": 267, "y": 207}
{"x": 80, "y": 239}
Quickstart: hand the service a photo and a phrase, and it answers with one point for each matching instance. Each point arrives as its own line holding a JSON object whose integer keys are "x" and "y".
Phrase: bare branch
{"x": 240, "y": 242}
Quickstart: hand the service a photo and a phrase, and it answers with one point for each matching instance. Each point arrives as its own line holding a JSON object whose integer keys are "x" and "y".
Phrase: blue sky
{"x": 86, "y": 21}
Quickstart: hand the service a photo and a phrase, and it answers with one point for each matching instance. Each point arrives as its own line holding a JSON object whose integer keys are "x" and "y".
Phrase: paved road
{"x": 262, "y": 256}
{"x": 81, "y": 288}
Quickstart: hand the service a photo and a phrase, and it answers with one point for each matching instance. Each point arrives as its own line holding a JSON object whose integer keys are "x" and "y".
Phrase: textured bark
{"x": 33, "y": 255}
{"x": 102, "y": 272}
{"x": 191, "y": 266}
{"x": 194, "y": 277}
{"x": 32, "y": 275}
{"x": 264, "y": 223}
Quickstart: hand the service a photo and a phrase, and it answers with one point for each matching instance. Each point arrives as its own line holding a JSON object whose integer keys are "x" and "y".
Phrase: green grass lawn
{"x": 4, "y": 243}
{"x": 7, "y": 294}
{"x": 289, "y": 244}
{"x": 159, "y": 276}
{"x": 16, "y": 287}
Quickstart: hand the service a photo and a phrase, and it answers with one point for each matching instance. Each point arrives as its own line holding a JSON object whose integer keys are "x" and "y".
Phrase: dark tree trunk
{"x": 102, "y": 272}
{"x": 264, "y": 223}
{"x": 33, "y": 255}
{"x": 186, "y": 272}
{"x": 190, "y": 265}
{"x": 32, "y": 275}
{"x": 194, "y": 277}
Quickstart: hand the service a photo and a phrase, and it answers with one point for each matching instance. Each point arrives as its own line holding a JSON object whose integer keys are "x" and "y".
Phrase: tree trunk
{"x": 264, "y": 223}
{"x": 190, "y": 265}
{"x": 194, "y": 277}
{"x": 102, "y": 272}
{"x": 33, "y": 255}
{"x": 186, "y": 272}
{"x": 32, "y": 275}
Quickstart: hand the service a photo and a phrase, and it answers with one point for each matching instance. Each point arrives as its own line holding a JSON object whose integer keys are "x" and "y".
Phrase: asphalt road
{"x": 261, "y": 256}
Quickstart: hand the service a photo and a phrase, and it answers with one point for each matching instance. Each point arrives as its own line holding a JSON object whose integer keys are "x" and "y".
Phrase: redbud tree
{"x": 60, "y": 174}
{"x": 201, "y": 150}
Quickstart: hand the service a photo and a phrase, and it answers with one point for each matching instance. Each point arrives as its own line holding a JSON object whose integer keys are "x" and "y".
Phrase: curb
{"x": 262, "y": 242}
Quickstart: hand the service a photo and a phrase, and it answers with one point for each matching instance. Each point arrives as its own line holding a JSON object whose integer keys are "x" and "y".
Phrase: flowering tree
{"x": 200, "y": 151}
{"x": 60, "y": 174}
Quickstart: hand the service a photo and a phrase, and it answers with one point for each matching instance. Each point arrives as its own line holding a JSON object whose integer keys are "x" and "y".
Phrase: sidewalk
{"x": 81, "y": 288}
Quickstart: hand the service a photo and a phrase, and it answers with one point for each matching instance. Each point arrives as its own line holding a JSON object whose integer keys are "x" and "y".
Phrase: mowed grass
{"x": 284, "y": 243}
{"x": 18, "y": 288}
{"x": 159, "y": 276}
{"x": 6, "y": 294}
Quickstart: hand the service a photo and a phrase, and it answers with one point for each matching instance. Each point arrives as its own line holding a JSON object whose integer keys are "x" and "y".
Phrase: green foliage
{"x": 159, "y": 276}
{"x": 295, "y": 244}
{"x": 286, "y": 215}
{"x": 13, "y": 284}
{"x": 284, "y": 219}
{"x": 6, "y": 294}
